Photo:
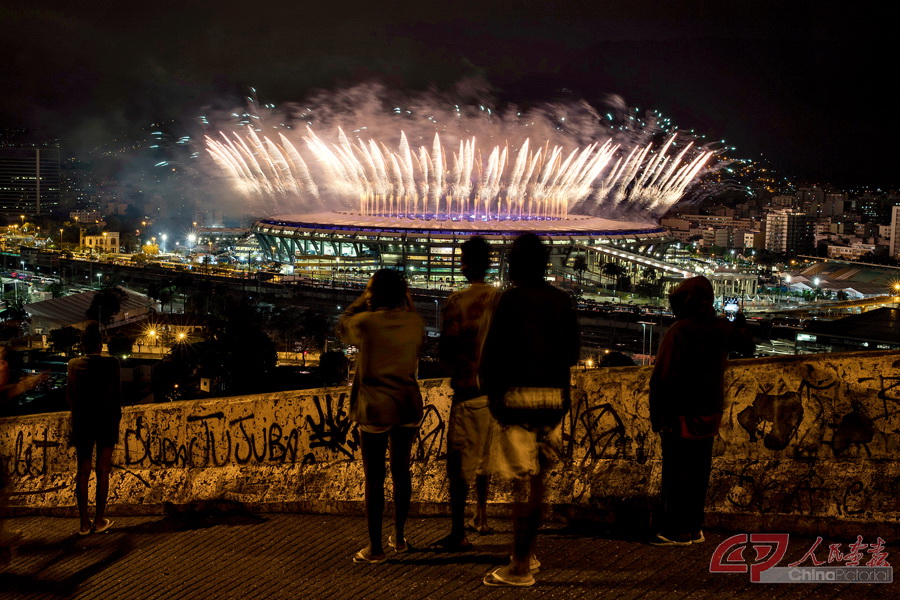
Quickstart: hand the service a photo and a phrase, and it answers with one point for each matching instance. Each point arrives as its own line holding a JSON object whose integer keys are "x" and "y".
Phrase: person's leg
{"x": 459, "y": 490}
{"x": 374, "y": 447}
{"x": 696, "y": 484}
{"x": 458, "y": 487}
{"x": 481, "y": 492}
{"x": 402, "y": 439}
{"x": 104, "y": 466}
{"x": 84, "y": 458}
{"x": 676, "y": 488}
{"x": 528, "y": 491}
{"x": 531, "y": 518}
{"x": 483, "y": 426}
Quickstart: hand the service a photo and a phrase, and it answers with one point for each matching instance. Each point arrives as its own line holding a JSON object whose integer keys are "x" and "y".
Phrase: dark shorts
{"x": 85, "y": 438}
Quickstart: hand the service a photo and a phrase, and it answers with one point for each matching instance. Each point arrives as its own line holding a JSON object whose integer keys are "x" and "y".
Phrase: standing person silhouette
{"x": 466, "y": 319}
{"x": 687, "y": 397}
{"x": 531, "y": 345}
{"x": 385, "y": 400}
{"x": 94, "y": 396}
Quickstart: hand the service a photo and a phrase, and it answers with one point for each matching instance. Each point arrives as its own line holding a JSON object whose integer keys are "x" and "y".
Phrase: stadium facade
{"x": 349, "y": 246}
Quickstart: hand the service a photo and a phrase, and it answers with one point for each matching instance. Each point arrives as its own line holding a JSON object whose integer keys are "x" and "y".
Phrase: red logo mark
{"x": 729, "y": 556}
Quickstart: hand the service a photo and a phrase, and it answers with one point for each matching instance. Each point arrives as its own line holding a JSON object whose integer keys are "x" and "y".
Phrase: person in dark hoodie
{"x": 687, "y": 395}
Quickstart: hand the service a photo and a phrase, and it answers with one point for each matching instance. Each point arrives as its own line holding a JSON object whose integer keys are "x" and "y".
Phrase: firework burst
{"x": 528, "y": 178}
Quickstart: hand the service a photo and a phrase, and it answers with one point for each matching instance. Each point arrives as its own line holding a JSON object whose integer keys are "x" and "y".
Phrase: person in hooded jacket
{"x": 687, "y": 396}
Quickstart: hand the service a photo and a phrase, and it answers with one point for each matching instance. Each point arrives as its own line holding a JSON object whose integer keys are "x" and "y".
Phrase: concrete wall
{"x": 808, "y": 444}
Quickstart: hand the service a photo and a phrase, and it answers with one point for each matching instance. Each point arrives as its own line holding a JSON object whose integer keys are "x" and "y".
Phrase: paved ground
{"x": 277, "y": 556}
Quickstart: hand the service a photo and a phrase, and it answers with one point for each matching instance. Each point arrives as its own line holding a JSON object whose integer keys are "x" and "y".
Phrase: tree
{"x": 120, "y": 345}
{"x": 237, "y": 348}
{"x": 163, "y": 291}
{"x": 106, "y": 304}
{"x": 579, "y": 265}
{"x": 648, "y": 288}
{"x": 15, "y": 300}
{"x": 613, "y": 271}
{"x": 333, "y": 368}
{"x": 56, "y": 289}
{"x": 314, "y": 329}
{"x": 65, "y": 340}
{"x": 11, "y": 329}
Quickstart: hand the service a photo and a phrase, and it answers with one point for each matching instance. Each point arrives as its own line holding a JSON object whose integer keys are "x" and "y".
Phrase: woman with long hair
{"x": 385, "y": 400}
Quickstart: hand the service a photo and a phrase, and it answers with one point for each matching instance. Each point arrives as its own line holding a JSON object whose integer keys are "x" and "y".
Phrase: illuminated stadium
{"x": 356, "y": 201}
{"x": 347, "y": 246}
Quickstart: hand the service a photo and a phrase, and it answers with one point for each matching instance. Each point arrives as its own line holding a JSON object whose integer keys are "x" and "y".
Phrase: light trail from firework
{"x": 547, "y": 182}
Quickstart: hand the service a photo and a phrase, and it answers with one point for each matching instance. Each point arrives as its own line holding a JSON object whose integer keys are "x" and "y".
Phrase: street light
{"x": 644, "y": 348}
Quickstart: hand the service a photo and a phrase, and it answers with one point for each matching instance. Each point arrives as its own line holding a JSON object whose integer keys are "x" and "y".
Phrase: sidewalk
{"x": 296, "y": 556}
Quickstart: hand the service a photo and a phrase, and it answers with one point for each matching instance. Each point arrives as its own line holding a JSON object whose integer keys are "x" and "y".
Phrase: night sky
{"x": 808, "y": 86}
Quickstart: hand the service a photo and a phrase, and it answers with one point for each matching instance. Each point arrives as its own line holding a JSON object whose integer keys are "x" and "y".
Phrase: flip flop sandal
{"x": 360, "y": 558}
{"x": 399, "y": 548}
{"x": 486, "y": 530}
{"x": 534, "y": 565}
{"x": 102, "y": 528}
{"x": 494, "y": 580}
{"x": 446, "y": 544}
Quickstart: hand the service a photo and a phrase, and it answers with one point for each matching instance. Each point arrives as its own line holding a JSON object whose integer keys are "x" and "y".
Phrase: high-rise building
{"x": 894, "y": 248}
{"x": 810, "y": 196}
{"x": 875, "y": 208}
{"x": 832, "y": 205}
{"x": 29, "y": 180}
{"x": 789, "y": 231}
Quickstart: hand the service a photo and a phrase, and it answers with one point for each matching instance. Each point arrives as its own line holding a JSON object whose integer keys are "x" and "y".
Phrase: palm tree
{"x": 613, "y": 270}
{"x": 579, "y": 265}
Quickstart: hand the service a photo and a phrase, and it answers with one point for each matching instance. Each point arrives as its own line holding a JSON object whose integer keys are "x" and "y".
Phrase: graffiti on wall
{"x": 784, "y": 446}
{"x": 31, "y": 457}
{"x": 764, "y": 488}
{"x": 331, "y": 428}
{"x": 214, "y": 441}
